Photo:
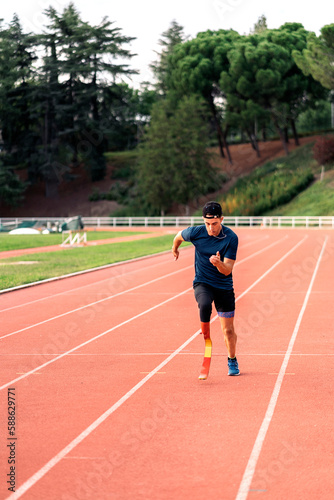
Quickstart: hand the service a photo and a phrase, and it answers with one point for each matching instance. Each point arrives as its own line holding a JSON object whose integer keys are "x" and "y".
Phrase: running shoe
{"x": 233, "y": 368}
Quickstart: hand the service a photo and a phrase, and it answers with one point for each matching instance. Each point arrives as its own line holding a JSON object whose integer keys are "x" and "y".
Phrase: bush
{"x": 323, "y": 150}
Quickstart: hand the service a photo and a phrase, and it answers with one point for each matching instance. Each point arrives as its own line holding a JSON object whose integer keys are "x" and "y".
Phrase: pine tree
{"x": 169, "y": 39}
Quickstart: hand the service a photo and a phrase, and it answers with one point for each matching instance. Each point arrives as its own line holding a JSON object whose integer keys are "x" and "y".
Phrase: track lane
{"x": 298, "y": 438}
{"x": 179, "y": 362}
{"x": 66, "y": 334}
{"x": 124, "y": 277}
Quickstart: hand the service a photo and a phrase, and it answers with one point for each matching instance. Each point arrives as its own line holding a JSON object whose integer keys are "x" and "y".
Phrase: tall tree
{"x": 16, "y": 83}
{"x": 174, "y": 163}
{"x": 169, "y": 39}
{"x": 82, "y": 57}
{"x": 156, "y": 170}
{"x": 19, "y": 128}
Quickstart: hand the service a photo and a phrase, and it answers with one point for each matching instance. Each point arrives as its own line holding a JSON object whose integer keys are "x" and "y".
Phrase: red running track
{"x": 103, "y": 369}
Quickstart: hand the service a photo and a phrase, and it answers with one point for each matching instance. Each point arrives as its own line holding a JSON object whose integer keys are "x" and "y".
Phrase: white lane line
{"x": 253, "y": 242}
{"x": 132, "y": 289}
{"x": 251, "y": 465}
{"x": 272, "y": 267}
{"x": 65, "y": 451}
{"x": 92, "y": 339}
{"x": 97, "y": 302}
{"x": 267, "y": 248}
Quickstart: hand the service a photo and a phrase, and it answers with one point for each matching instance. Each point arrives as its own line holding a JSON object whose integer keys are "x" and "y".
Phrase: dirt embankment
{"x": 73, "y": 197}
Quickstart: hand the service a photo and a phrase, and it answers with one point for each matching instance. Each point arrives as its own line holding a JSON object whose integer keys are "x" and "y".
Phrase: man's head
{"x": 213, "y": 217}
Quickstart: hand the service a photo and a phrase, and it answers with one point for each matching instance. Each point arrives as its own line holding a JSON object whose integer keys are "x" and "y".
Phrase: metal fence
{"x": 175, "y": 221}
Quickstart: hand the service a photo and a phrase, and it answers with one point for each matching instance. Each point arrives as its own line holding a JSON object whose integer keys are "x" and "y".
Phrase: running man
{"x": 215, "y": 254}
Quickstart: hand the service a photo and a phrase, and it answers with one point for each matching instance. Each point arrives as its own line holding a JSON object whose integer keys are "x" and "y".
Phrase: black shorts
{"x": 224, "y": 301}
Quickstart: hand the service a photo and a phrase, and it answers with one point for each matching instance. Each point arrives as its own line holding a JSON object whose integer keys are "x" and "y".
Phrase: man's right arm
{"x": 176, "y": 243}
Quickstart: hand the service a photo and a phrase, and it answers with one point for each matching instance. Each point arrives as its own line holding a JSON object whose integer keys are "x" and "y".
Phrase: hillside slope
{"x": 73, "y": 197}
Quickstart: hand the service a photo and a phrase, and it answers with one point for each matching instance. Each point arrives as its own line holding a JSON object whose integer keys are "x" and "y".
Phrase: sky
{"x": 146, "y": 20}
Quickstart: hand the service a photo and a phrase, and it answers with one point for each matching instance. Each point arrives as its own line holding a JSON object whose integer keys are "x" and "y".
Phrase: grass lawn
{"x": 13, "y": 271}
{"x": 316, "y": 200}
{"x": 19, "y": 241}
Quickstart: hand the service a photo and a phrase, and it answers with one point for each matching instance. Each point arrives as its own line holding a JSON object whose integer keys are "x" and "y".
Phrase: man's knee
{"x": 228, "y": 332}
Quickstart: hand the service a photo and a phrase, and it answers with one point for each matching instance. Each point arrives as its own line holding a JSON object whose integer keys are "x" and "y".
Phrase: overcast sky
{"x": 146, "y": 20}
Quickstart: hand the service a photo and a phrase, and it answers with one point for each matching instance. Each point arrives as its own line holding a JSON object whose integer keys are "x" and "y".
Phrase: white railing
{"x": 175, "y": 221}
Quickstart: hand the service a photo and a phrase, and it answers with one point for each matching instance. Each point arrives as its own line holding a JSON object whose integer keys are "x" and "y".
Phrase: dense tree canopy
{"x": 64, "y": 101}
{"x": 317, "y": 58}
{"x": 262, "y": 79}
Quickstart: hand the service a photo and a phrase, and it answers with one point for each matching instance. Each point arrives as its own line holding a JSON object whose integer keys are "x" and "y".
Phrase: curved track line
{"x": 250, "y": 468}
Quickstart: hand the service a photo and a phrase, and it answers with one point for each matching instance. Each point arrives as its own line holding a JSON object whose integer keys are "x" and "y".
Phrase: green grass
{"x": 317, "y": 200}
{"x": 49, "y": 265}
{"x": 20, "y": 241}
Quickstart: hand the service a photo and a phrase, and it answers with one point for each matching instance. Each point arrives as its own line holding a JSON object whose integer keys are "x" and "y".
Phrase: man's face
{"x": 213, "y": 226}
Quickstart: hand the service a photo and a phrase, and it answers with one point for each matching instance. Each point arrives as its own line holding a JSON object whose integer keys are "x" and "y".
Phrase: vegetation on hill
{"x": 271, "y": 185}
{"x": 316, "y": 200}
{"x": 277, "y": 182}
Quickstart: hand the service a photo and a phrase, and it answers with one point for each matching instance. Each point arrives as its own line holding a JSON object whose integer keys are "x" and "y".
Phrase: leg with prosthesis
{"x": 205, "y": 328}
{"x": 204, "y": 299}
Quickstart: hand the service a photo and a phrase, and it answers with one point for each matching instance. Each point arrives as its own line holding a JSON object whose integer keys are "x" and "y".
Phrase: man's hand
{"x": 176, "y": 253}
{"x": 225, "y": 266}
{"x": 215, "y": 259}
{"x": 176, "y": 243}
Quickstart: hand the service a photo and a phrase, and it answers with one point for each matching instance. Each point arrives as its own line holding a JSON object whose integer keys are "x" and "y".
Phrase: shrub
{"x": 323, "y": 150}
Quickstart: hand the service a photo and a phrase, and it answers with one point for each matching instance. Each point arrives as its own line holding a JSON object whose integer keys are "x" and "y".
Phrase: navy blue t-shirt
{"x": 205, "y": 246}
